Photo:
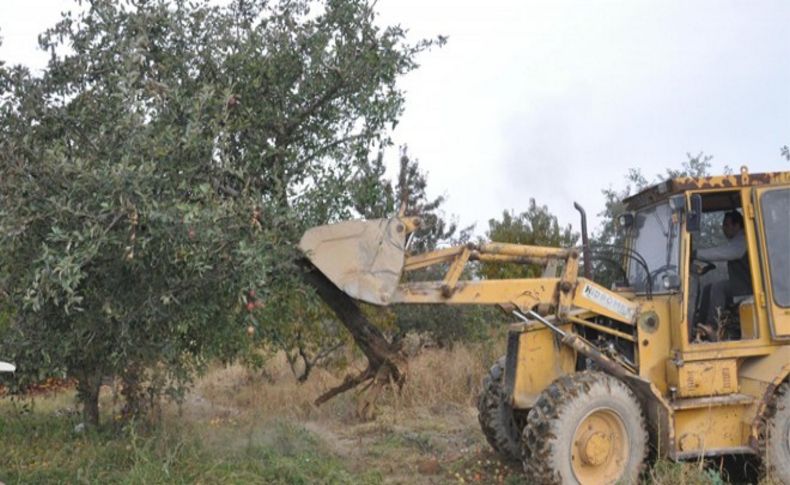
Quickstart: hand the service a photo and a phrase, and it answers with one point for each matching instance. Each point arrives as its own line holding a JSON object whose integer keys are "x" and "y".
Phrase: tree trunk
{"x": 133, "y": 393}
{"x": 386, "y": 363}
{"x": 88, "y": 386}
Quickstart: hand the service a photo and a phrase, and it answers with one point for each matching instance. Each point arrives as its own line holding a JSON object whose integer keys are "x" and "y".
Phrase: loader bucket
{"x": 362, "y": 258}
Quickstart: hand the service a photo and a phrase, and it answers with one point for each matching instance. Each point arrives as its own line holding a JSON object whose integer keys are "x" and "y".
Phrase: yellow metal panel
{"x": 425, "y": 260}
{"x": 541, "y": 360}
{"x": 771, "y": 369}
{"x": 523, "y": 250}
{"x": 680, "y": 327}
{"x": 567, "y": 285}
{"x": 684, "y": 184}
{"x": 654, "y": 326}
{"x": 704, "y": 430}
{"x": 728, "y": 350}
{"x": 594, "y": 297}
{"x": 705, "y": 378}
{"x": 748, "y": 319}
{"x": 454, "y": 273}
{"x": 525, "y": 293}
{"x": 504, "y": 258}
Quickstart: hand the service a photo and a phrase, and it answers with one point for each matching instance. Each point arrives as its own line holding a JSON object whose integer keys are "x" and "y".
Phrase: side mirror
{"x": 677, "y": 203}
{"x": 625, "y": 220}
{"x": 694, "y": 214}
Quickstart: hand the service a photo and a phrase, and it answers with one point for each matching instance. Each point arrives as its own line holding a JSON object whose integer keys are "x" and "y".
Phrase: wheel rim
{"x": 600, "y": 447}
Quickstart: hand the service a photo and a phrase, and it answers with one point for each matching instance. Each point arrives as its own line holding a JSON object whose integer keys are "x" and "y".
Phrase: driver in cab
{"x": 716, "y": 295}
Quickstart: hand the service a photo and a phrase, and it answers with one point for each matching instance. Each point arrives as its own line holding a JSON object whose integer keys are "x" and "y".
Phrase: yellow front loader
{"x": 594, "y": 377}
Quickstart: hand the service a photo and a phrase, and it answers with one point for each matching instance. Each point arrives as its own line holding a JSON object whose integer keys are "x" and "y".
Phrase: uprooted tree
{"x": 156, "y": 173}
{"x": 375, "y": 196}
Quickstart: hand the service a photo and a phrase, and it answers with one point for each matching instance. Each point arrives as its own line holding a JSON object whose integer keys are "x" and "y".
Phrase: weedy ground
{"x": 242, "y": 426}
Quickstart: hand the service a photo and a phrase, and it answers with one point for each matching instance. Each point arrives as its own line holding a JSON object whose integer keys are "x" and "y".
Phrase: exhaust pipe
{"x": 585, "y": 242}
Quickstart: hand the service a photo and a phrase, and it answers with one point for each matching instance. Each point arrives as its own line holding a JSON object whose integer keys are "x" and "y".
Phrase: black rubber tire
{"x": 552, "y": 423}
{"x": 776, "y": 444}
{"x": 497, "y": 418}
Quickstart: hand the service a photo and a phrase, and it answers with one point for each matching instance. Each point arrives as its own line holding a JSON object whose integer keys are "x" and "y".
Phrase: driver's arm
{"x": 733, "y": 249}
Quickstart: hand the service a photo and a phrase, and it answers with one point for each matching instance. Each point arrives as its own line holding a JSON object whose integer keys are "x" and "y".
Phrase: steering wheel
{"x": 699, "y": 266}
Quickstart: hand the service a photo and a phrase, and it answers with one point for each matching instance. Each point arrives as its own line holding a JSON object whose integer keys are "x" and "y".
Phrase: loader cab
{"x": 673, "y": 222}
{"x": 714, "y": 382}
{"x": 757, "y": 315}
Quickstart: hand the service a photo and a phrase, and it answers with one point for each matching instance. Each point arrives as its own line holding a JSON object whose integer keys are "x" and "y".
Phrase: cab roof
{"x": 660, "y": 191}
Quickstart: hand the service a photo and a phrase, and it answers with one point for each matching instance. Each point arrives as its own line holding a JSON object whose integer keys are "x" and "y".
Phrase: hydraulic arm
{"x": 366, "y": 260}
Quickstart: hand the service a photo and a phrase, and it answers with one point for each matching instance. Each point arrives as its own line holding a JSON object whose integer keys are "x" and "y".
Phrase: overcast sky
{"x": 556, "y": 100}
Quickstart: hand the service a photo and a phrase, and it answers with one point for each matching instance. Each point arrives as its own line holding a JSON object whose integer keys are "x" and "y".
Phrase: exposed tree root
{"x": 349, "y": 382}
{"x": 386, "y": 363}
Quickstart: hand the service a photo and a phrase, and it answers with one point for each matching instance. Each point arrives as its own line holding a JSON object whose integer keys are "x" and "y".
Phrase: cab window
{"x": 656, "y": 238}
{"x": 776, "y": 221}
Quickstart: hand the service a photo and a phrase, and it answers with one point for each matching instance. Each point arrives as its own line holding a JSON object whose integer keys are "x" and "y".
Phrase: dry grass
{"x": 428, "y": 433}
{"x": 429, "y": 430}
{"x": 436, "y": 377}
{"x": 271, "y": 392}
{"x": 444, "y": 376}
{"x": 239, "y": 425}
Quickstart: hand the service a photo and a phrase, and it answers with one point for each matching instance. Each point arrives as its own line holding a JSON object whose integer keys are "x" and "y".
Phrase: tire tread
{"x": 492, "y": 420}
{"x": 538, "y": 442}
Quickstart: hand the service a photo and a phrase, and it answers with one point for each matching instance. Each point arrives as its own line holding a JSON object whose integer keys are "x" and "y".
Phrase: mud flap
{"x": 658, "y": 413}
